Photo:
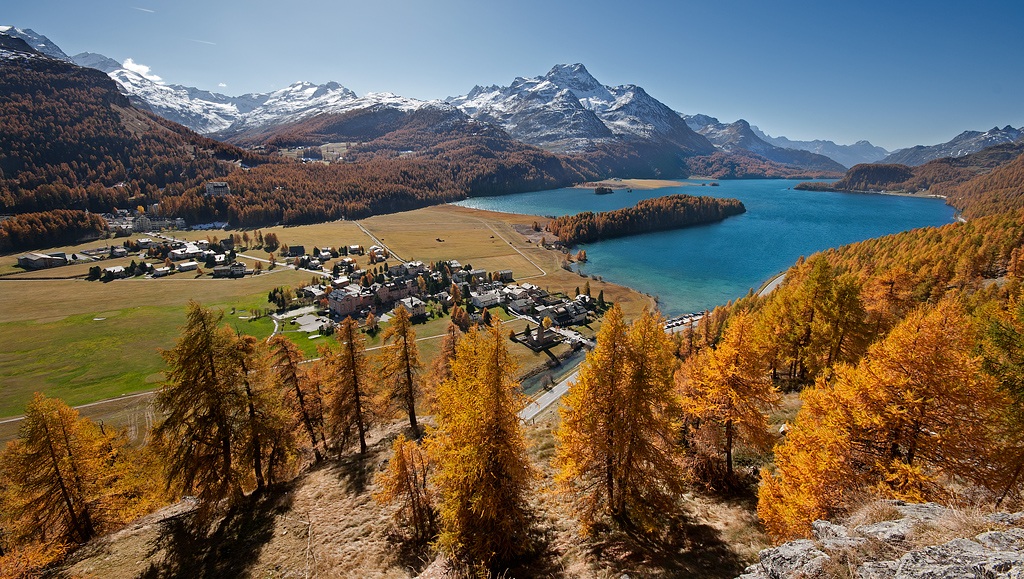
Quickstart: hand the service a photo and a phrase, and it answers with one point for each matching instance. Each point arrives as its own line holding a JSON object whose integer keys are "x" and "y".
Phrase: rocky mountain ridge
{"x": 740, "y": 137}
{"x": 568, "y": 110}
{"x": 963, "y": 144}
{"x": 849, "y": 155}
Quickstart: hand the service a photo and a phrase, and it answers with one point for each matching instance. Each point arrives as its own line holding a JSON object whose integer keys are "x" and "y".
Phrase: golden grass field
{"x": 633, "y": 184}
{"x": 86, "y": 341}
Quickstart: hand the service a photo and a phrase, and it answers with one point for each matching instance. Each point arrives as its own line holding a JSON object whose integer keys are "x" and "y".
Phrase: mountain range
{"x": 965, "y": 143}
{"x": 739, "y": 136}
{"x": 566, "y": 111}
{"x": 848, "y": 155}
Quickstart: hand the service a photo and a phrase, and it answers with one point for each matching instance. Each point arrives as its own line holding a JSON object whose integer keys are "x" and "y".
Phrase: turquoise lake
{"x": 697, "y": 268}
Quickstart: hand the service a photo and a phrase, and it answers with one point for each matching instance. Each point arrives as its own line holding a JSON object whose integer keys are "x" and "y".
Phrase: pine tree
{"x": 479, "y": 452}
{"x": 725, "y": 394}
{"x": 302, "y": 395}
{"x": 201, "y": 403}
{"x": 400, "y": 365}
{"x": 616, "y": 443}
{"x": 349, "y": 385}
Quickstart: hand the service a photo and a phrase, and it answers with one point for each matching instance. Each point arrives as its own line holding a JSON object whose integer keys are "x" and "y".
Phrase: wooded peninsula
{"x": 659, "y": 214}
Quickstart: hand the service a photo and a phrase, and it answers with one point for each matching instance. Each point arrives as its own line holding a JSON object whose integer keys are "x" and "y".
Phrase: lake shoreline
{"x": 641, "y": 184}
{"x": 696, "y": 268}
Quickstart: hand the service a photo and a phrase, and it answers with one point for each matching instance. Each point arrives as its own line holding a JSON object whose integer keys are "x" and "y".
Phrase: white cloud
{"x": 222, "y": 85}
{"x": 142, "y": 70}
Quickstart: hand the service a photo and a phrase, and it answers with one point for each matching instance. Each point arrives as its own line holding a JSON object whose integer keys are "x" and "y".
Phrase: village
{"x": 341, "y": 287}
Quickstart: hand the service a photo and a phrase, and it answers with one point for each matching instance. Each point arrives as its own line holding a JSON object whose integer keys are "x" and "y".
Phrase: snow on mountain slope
{"x": 36, "y": 41}
{"x": 209, "y": 112}
{"x": 740, "y": 136}
{"x": 97, "y": 61}
{"x": 965, "y": 143}
{"x": 568, "y": 109}
{"x": 175, "y": 103}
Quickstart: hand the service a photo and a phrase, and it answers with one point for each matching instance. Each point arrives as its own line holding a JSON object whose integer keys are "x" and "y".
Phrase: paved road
{"x": 771, "y": 285}
{"x": 548, "y": 398}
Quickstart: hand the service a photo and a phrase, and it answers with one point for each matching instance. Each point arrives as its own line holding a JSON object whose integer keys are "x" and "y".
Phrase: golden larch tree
{"x": 400, "y": 366}
{"x": 441, "y": 367}
{"x": 726, "y": 392}
{"x": 301, "y": 394}
{"x": 405, "y": 482}
{"x": 347, "y": 375}
{"x": 482, "y": 471}
{"x": 917, "y": 410}
{"x": 1003, "y": 351}
{"x": 201, "y": 403}
{"x": 616, "y": 451}
{"x": 65, "y": 480}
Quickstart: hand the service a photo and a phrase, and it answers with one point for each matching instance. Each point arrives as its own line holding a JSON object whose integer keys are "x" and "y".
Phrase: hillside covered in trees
{"x": 936, "y": 177}
{"x": 657, "y": 214}
{"x": 70, "y": 140}
{"x": 746, "y": 165}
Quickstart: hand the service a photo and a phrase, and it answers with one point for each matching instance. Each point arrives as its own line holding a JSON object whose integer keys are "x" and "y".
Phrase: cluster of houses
{"x": 124, "y": 221}
{"x": 409, "y": 284}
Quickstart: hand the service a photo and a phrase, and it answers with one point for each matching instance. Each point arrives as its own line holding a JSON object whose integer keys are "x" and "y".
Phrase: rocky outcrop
{"x": 899, "y": 549}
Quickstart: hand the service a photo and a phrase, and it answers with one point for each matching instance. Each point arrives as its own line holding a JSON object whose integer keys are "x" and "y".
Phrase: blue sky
{"x": 897, "y": 73}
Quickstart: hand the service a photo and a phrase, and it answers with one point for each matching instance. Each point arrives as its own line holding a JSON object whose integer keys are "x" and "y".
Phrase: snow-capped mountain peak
{"x": 965, "y": 143}
{"x": 568, "y": 109}
{"x": 97, "y": 61}
{"x": 574, "y": 77}
{"x": 36, "y": 41}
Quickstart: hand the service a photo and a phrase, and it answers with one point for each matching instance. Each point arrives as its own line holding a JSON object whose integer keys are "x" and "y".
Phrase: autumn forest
{"x": 899, "y": 360}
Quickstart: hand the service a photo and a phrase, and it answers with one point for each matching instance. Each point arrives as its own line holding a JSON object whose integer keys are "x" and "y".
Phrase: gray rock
{"x": 892, "y": 532}
{"x": 1008, "y": 519}
{"x": 920, "y": 511}
{"x": 794, "y": 558}
{"x": 957, "y": 559}
{"x": 896, "y": 532}
{"x": 753, "y": 572}
{"x": 991, "y": 555}
{"x": 877, "y": 570}
{"x": 825, "y": 530}
{"x": 842, "y": 544}
{"x": 1010, "y": 540}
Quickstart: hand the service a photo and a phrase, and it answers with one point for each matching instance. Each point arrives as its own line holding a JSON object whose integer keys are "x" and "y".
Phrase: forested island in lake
{"x": 658, "y": 214}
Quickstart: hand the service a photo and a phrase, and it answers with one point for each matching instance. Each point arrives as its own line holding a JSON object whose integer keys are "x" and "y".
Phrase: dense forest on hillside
{"x": 70, "y": 140}
{"x": 657, "y": 214}
{"x": 998, "y": 191}
{"x": 937, "y": 177}
{"x": 748, "y": 166}
{"x": 48, "y": 228}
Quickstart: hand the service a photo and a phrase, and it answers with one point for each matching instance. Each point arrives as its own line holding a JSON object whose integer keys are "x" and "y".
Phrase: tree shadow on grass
{"x": 356, "y": 471}
{"x": 682, "y": 548}
{"x": 226, "y": 548}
